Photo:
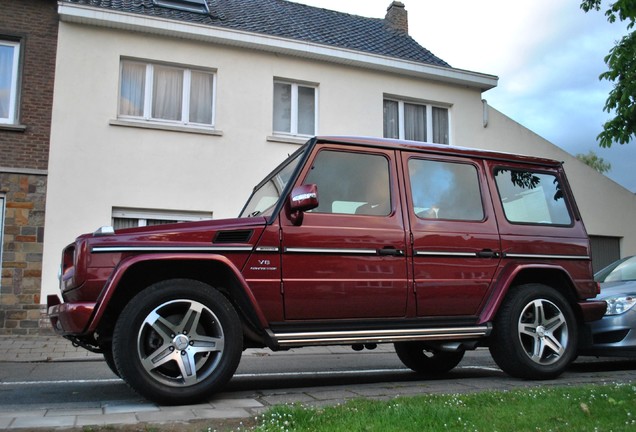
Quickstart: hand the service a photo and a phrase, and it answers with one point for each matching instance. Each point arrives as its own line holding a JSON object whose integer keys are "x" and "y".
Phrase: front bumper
{"x": 593, "y": 310}
{"x": 69, "y": 318}
{"x": 614, "y": 335}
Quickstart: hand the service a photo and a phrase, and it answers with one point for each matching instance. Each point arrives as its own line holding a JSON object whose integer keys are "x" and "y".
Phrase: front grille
{"x": 237, "y": 236}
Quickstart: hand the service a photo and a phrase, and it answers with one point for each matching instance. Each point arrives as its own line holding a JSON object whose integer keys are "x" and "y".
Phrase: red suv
{"x": 350, "y": 241}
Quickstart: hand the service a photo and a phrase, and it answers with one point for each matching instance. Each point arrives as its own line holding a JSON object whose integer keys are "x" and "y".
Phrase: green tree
{"x": 592, "y": 160}
{"x": 621, "y": 61}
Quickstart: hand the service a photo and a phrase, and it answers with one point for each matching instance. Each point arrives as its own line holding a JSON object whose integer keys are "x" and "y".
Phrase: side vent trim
{"x": 237, "y": 236}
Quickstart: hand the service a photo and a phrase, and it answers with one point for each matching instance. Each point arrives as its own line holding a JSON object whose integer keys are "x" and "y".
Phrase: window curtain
{"x": 306, "y": 110}
{"x": 415, "y": 122}
{"x": 167, "y": 93}
{"x": 282, "y": 107}
{"x": 440, "y": 125}
{"x": 391, "y": 119}
{"x": 201, "y": 88}
{"x": 6, "y": 79}
{"x": 133, "y": 87}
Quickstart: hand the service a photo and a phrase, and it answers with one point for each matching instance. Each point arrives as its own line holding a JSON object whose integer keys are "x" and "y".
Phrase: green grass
{"x": 587, "y": 408}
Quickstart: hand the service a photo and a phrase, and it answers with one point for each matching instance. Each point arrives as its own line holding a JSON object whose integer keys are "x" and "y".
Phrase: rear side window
{"x": 351, "y": 183}
{"x": 532, "y": 197}
{"x": 445, "y": 190}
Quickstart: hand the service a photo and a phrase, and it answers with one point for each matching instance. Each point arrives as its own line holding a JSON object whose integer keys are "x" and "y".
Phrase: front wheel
{"x": 426, "y": 360}
{"x": 535, "y": 333}
{"x": 177, "y": 342}
{"x": 110, "y": 359}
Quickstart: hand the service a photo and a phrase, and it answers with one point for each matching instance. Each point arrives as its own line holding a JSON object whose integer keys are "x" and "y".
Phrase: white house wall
{"x": 95, "y": 165}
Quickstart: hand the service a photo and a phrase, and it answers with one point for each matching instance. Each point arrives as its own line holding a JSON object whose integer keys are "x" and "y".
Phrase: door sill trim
{"x": 297, "y": 339}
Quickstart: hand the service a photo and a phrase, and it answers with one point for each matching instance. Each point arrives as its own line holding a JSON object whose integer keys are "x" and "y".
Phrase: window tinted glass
{"x": 531, "y": 197}
{"x": 620, "y": 271}
{"x": 263, "y": 199}
{"x": 443, "y": 190}
{"x": 351, "y": 183}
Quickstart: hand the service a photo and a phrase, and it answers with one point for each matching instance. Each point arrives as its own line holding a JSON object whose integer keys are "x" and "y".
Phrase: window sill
{"x": 13, "y": 127}
{"x": 165, "y": 127}
{"x": 288, "y": 139}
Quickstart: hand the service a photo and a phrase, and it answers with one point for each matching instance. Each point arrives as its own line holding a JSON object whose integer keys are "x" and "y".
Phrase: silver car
{"x": 615, "y": 333}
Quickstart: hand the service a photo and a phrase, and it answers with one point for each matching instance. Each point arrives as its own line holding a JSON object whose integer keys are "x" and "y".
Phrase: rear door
{"x": 347, "y": 259}
{"x": 455, "y": 242}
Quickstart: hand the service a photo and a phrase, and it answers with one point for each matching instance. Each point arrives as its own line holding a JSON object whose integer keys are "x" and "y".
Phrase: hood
{"x": 609, "y": 289}
{"x": 221, "y": 231}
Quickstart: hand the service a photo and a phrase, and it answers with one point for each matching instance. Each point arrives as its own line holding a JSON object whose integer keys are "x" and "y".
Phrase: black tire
{"x": 177, "y": 342}
{"x": 110, "y": 359}
{"x": 535, "y": 334}
{"x": 425, "y": 360}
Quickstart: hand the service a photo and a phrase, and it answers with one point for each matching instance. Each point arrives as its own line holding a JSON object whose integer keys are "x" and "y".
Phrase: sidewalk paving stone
{"x": 42, "y": 422}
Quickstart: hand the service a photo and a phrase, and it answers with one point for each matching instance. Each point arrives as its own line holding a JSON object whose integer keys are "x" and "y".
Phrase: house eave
{"x": 160, "y": 26}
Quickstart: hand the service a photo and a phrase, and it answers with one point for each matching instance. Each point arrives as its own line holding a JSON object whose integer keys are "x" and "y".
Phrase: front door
{"x": 346, "y": 260}
{"x": 456, "y": 247}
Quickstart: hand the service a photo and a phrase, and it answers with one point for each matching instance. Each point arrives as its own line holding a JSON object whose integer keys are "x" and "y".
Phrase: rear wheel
{"x": 426, "y": 360}
{"x": 177, "y": 342}
{"x": 535, "y": 333}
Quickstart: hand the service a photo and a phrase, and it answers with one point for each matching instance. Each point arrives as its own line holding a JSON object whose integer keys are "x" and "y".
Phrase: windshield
{"x": 266, "y": 195}
{"x": 619, "y": 271}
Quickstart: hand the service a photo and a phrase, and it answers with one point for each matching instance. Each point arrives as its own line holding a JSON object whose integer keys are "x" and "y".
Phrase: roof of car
{"x": 289, "y": 20}
{"x": 437, "y": 149}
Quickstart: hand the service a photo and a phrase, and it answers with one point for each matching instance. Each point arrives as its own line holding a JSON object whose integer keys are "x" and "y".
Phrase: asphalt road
{"x": 63, "y": 385}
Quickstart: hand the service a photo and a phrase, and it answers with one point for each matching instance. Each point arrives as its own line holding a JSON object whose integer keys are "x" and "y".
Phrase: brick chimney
{"x": 397, "y": 17}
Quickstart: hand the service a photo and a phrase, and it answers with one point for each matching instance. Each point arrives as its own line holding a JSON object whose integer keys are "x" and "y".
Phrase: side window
{"x": 416, "y": 121}
{"x": 168, "y": 94}
{"x": 531, "y": 197}
{"x": 445, "y": 190}
{"x": 351, "y": 183}
{"x": 9, "y": 81}
{"x": 295, "y": 108}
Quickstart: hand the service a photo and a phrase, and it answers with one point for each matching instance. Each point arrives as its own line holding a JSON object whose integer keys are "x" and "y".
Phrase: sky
{"x": 548, "y": 55}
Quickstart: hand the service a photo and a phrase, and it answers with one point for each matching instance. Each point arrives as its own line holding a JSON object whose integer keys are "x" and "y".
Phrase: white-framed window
{"x": 166, "y": 93}
{"x": 131, "y": 218}
{"x": 295, "y": 108}
{"x": 416, "y": 121}
{"x": 9, "y": 79}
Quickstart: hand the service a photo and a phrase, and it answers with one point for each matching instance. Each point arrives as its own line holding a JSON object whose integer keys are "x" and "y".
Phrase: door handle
{"x": 390, "y": 251}
{"x": 487, "y": 253}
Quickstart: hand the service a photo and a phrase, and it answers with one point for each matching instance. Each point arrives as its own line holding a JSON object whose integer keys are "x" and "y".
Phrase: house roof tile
{"x": 290, "y": 20}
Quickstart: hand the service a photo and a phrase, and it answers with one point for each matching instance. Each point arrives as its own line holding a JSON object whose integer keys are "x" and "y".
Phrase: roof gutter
{"x": 139, "y": 23}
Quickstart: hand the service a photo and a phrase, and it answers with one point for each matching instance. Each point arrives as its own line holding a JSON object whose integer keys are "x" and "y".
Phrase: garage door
{"x": 605, "y": 250}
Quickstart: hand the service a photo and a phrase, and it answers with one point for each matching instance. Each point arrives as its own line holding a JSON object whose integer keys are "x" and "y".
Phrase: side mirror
{"x": 302, "y": 199}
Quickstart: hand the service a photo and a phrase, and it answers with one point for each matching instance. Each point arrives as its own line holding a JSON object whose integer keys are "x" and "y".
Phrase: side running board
{"x": 298, "y": 339}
